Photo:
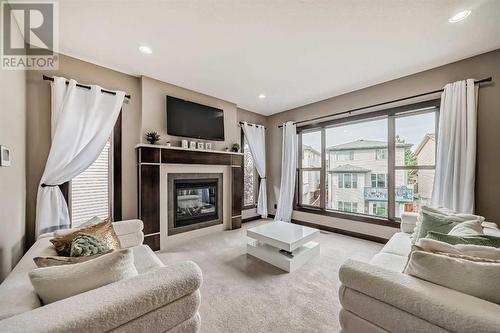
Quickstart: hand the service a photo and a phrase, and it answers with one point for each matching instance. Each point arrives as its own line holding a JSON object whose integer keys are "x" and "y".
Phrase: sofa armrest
{"x": 128, "y": 227}
{"x": 110, "y": 306}
{"x": 408, "y": 222}
{"x": 446, "y": 308}
{"x": 129, "y": 232}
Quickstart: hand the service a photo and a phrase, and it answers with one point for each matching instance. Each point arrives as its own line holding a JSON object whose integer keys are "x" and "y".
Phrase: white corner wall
{"x": 13, "y": 178}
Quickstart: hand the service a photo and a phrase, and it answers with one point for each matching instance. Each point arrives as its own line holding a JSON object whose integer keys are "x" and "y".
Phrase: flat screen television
{"x": 194, "y": 120}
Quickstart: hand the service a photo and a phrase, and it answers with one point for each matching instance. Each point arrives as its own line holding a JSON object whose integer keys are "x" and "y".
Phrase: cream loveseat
{"x": 160, "y": 299}
{"x": 378, "y": 297}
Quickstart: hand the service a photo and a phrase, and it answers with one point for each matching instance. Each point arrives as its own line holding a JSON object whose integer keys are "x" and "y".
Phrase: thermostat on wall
{"x": 4, "y": 156}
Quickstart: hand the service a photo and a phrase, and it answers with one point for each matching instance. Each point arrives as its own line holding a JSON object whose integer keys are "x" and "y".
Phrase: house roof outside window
{"x": 349, "y": 168}
{"x": 365, "y": 144}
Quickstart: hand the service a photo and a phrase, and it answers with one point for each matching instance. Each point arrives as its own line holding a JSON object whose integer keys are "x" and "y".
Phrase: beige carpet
{"x": 243, "y": 294}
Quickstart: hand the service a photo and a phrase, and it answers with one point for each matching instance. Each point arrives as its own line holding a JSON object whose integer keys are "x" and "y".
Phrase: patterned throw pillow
{"x": 103, "y": 231}
{"x": 483, "y": 240}
{"x": 87, "y": 245}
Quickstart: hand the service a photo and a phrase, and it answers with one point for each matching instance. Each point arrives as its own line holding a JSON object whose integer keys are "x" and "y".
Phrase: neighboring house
{"x": 311, "y": 158}
{"x": 425, "y": 155}
{"x": 357, "y": 177}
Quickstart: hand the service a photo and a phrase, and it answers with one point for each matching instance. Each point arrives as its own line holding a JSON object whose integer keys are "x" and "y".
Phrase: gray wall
{"x": 12, "y": 179}
{"x": 488, "y": 145}
{"x": 155, "y": 118}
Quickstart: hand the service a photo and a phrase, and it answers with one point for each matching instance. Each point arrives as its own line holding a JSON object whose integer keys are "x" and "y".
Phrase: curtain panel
{"x": 289, "y": 157}
{"x": 256, "y": 137}
{"x": 81, "y": 122}
{"x": 456, "y": 148}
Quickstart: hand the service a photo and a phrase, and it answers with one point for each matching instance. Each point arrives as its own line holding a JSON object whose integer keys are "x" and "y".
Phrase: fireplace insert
{"x": 195, "y": 201}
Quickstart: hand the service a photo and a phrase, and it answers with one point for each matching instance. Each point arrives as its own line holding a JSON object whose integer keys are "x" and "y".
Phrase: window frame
{"x": 391, "y": 114}
{"x": 349, "y": 153}
{"x": 300, "y": 171}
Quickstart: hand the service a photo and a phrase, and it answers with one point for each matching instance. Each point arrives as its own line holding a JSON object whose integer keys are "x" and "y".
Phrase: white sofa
{"x": 160, "y": 299}
{"x": 378, "y": 297}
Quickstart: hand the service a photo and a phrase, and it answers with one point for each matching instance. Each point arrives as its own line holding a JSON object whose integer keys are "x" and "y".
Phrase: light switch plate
{"x": 4, "y": 156}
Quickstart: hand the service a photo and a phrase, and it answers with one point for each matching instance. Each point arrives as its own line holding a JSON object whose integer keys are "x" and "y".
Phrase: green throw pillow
{"x": 87, "y": 245}
{"x": 483, "y": 240}
{"x": 434, "y": 221}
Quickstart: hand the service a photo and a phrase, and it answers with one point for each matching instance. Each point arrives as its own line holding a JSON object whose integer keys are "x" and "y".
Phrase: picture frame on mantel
{"x": 4, "y": 156}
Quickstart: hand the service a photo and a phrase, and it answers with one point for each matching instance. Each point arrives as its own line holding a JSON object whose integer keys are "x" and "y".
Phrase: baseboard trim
{"x": 249, "y": 219}
{"x": 339, "y": 231}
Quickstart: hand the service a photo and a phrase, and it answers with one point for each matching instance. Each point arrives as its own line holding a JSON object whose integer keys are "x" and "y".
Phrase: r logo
{"x": 35, "y": 21}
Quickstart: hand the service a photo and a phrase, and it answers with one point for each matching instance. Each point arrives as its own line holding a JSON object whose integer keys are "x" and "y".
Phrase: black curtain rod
{"x": 241, "y": 123}
{"x": 48, "y": 78}
{"x": 488, "y": 79}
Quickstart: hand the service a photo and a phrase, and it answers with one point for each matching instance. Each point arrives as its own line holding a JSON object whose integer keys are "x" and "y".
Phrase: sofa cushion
{"x": 16, "y": 292}
{"x": 103, "y": 231}
{"x": 399, "y": 244}
{"x": 432, "y": 245}
{"x": 449, "y": 270}
{"x": 467, "y": 228}
{"x": 490, "y": 229}
{"x": 59, "y": 282}
{"x": 389, "y": 261}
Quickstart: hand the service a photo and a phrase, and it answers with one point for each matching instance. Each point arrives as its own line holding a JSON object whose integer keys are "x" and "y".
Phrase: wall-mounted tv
{"x": 194, "y": 120}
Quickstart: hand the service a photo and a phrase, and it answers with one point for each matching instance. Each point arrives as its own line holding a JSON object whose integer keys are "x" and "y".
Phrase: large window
{"x": 379, "y": 165}
{"x": 250, "y": 177}
{"x": 90, "y": 192}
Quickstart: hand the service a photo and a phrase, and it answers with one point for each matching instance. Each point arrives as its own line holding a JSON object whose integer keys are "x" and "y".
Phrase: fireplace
{"x": 194, "y": 201}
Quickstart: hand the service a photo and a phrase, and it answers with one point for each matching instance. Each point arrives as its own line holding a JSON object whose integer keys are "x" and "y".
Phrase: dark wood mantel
{"x": 150, "y": 158}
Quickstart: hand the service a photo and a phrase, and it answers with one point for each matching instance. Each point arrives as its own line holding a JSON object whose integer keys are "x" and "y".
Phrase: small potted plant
{"x": 235, "y": 147}
{"x": 152, "y": 137}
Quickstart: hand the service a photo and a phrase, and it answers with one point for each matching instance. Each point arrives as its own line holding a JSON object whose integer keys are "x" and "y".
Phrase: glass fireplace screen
{"x": 195, "y": 201}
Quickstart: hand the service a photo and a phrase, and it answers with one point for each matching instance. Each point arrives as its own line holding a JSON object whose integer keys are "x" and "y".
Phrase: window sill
{"x": 353, "y": 217}
{"x": 249, "y": 207}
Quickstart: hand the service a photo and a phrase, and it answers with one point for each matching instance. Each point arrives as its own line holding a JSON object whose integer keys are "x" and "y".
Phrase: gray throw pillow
{"x": 482, "y": 240}
{"x": 433, "y": 221}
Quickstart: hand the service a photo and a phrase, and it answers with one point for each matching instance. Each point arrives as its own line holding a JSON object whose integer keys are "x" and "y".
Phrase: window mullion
{"x": 322, "y": 177}
{"x": 391, "y": 162}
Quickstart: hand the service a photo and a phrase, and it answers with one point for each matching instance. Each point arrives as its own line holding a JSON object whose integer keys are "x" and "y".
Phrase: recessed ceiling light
{"x": 262, "y": 96}
{"x": 145, "y": 49}
{"x": 459, "y": 16}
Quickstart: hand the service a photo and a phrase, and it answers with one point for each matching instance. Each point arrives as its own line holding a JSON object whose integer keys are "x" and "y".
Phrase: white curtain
{"x": 456, "y": 147}
{"x": 288, "y": 172}
{"x": 256, "y": 137}
{"x": 82, "y": 121}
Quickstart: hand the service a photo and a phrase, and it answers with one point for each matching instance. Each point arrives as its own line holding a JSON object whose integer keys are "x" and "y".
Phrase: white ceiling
{"x": 295, "y": 52}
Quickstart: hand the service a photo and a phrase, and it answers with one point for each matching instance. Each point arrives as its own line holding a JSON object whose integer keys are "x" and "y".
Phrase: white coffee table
{"x": 284, "y": 245}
